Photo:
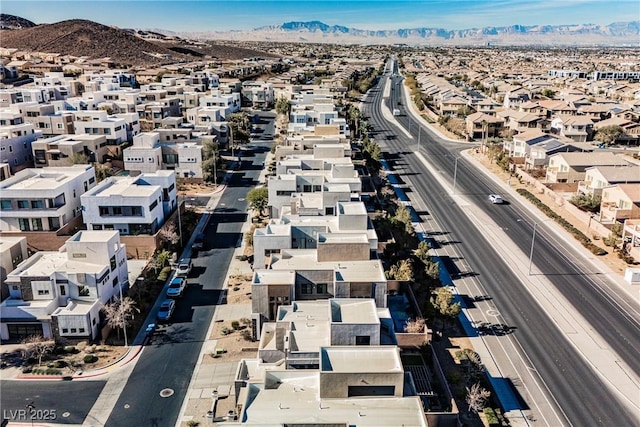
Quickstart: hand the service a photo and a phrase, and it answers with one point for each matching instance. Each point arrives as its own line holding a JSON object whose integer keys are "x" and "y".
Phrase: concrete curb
{"x": 122, "y": 361}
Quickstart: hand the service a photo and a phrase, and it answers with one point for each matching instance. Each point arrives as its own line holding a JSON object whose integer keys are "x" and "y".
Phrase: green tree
{"x": 283, "y": 106}
{"x": 587, "y": 202}
{"x": 258, "y": 199}
{"x": 403, "y": 270}
{"x": 403, "y": 216}
{"x": 79, "y": 159}
{"x": 548, "y": 93}
{"x": 210, "y": 150}
{"x": 240, "y": 127}
{"x": 444, "y": 305}
{"x": 609, "y": 134}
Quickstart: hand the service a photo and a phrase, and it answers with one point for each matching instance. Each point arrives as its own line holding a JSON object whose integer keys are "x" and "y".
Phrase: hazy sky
{"x": 211, "y": 15}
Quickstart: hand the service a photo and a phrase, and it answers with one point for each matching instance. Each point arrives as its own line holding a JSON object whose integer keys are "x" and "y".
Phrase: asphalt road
{"x": 168, "y": 362}
{"x": 52, "y": 401}
{"x": 579, "y": 391}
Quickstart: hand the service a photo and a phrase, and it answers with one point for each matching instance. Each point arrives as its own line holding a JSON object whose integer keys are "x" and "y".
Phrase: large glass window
{"x": 36, "y": 224}
{"x": 24, "y": 224}
{"x": 36, "y": 204}
{"x": 23, "y": 204}
{"x": 5, "y": 204}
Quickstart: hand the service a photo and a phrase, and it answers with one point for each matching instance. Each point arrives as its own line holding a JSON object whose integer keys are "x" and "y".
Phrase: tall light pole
{"x": 215, "y": 172}
{"x": 533, "y": 240}
{"x": 124, "y": 320}
{"x": 419, "y": 129}
{"x": 455, "y": 175}
{"x": 180, "y": 221}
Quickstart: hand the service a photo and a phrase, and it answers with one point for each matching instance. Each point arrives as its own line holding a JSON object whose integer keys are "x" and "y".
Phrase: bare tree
{"x": 119, "y": 314}
{"x": 415, "y": 326}
{"x": 169, "y": 235}
{"x": 477, "y": 397}
{"x": 36, "y": 346}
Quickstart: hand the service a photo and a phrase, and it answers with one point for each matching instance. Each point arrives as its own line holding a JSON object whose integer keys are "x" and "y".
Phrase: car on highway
{"x": 166, "y": 310}
{"x": 496, "y": 199}
{"x": 176, "y": 287}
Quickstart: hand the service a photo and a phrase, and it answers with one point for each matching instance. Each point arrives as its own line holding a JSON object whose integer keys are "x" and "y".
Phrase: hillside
{"x": 125, "y": 47}
{"x": 11, "y": 22}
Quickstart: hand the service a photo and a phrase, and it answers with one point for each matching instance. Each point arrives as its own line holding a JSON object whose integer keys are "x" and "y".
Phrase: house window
{"x": 92, "y": 180}
{"x": 306, "y": 188}
{"x": 97, "y": 226}
{"x": 363, "y": 339}
{"x": 321, "y": 288}
{"x": 117, "y": 210}
{"x": 104, "y": 211}
{"x": 24, "y": 224}
{"x": 63, "y": 290}
{"x": 81, "y": 330}
{"x": 5, "y": 204}
{"x": 306, "y": 289}
{"x": 36, "y": 224}
{"x": 153, "y": 205}
{"x": 136, "y": 211}
{"x": 93, "y": 321}
{"x": 113, "y": 263}
{"x": 74, "y": 330}
{"x": 65, "y": 330}
{"x": 317, "y": 188}
{"x": 115, "y": 282}
{"x": 43, "y": 291}
{"x": 36, "y": 204}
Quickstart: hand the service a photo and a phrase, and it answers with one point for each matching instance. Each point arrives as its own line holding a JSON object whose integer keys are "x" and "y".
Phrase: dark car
{"x": 198, "y": 243}
{"x": 166, "y": 310}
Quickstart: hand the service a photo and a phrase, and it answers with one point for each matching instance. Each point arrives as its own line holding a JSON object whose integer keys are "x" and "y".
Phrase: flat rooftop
{"x": 345, "y": 271}
{"x": 123, "y": 187}
{"x": 353, "y": 359}
{"x": 274, "y": 277}
{"x": 354, "y": 311}
{"x": 295, "y": 401}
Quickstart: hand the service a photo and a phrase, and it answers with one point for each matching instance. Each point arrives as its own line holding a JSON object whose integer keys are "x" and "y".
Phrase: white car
{"x": 496, "y": 199}
{"x": 184, "y": 267}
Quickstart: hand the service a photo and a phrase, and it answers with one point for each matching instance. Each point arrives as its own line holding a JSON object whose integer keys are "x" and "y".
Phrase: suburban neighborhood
{"x": 310, "y": 235}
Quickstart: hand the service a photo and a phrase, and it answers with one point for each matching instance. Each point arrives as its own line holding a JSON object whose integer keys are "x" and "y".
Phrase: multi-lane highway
{"x": 582, "y": 397}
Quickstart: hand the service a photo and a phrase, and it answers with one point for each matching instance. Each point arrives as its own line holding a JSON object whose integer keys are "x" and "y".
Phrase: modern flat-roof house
{"x": 15, "y": 141}
{"x": 349, "y": 224}
{"x": 339, "y": 183}
{"x": 310, "y": 274}
{"x": 131, "y": 205}
{"x": 99, "y": 122}
{"x": 64, "y": 150}
{"x": 44, "y": 199}
{"x": 13, "y": 250}
{"x": 151, "y": 154}
{"x": 59, "y": 294}
{"x": 311, "y": 365}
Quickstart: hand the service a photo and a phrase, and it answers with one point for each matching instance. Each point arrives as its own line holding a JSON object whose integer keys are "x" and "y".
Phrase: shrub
{"x": 246, "y": 334}
{"x": 225, "y": 330}
{"x": 164, "y": 274}
{"x": 70, "y": 349}
{"x": 491, "y": 417}
{"x": 27, "y": 370}
{"x": 193, "y": 423}
{"x": 90, "y": 358}
{"x": 245, "y": 321}
{"x": 235, "y": 325}
{"x": 60, "y": 364}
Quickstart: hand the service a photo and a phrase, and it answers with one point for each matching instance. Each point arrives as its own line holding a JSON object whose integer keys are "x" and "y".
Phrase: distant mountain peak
{"x": 619, "y": 33}
{"x": 12, "y": 22}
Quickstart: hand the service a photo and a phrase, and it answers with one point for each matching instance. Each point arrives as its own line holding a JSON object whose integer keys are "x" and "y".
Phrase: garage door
{"x": 18, "y": 331}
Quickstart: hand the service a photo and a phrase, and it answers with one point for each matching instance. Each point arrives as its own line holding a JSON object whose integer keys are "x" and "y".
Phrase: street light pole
{"x": 455, "y": 175}
{"x": 419, "y": 129}
{"x": 215, "y": 173}
{"x": 179, "y": 221}
{"x": 533, "y": 239}
{"x": 124, "y": 320}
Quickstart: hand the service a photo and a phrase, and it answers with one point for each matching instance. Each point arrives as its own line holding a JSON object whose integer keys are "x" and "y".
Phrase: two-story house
{"x": 59, "y": 294}
{"x": 130, "y": 205}
{"x": 571, "y": 167}
{"x": 44, "y": 199}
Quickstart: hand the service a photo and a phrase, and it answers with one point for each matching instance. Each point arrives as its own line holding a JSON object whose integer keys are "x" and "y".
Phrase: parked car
{"x": 198, "y": 243}
{"x": 166, "y": 310}
{"x": 176, "y": 287}
{"x": 184, "y": 267}
{"x": 496, "y": 199}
